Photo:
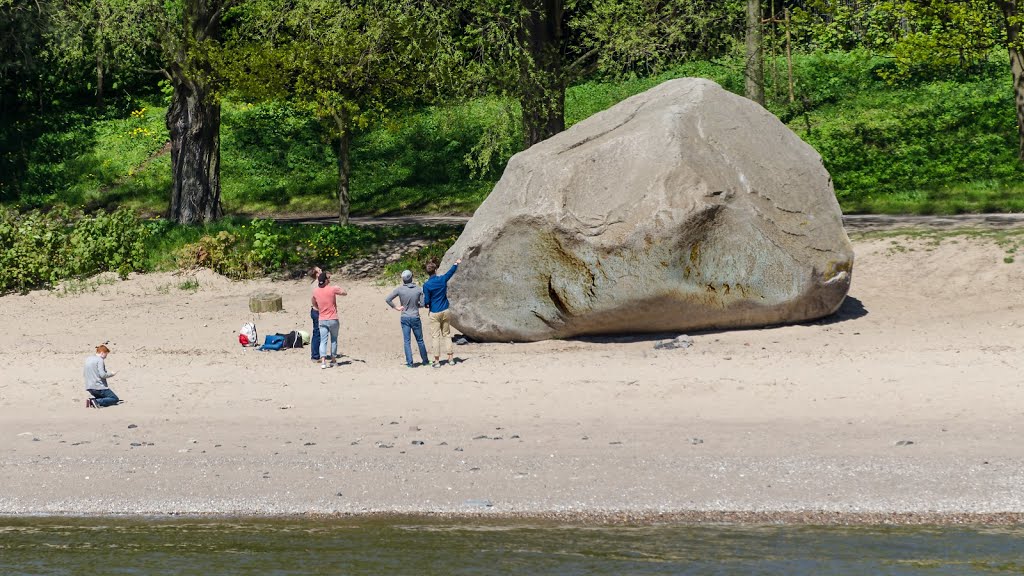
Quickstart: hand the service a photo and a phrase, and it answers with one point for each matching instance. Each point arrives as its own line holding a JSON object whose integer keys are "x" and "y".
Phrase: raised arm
{"x": 451, "y": 271}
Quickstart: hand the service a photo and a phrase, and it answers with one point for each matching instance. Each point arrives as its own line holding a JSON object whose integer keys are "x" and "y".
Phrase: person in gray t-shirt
{"x": 410, "y": 298}
{"x": 96, "y": 375}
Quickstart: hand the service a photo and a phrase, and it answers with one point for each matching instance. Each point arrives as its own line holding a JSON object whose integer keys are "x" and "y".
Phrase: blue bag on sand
{"x": 273, "y": 342}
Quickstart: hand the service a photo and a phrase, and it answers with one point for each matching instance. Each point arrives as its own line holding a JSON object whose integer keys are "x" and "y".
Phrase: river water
{"x": 58, "y": 546}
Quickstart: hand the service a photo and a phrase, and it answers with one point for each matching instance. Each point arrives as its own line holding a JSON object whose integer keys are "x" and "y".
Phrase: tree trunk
{"x": 100, "y": 42}
{"x": 344, "y": 166}
{"x": 99, "y": 79}
{"x": 193, "y": 120}
{"x": 1013, "y": 39}
{"x": 789, "y": 60}
{"x": 755, "y": 61}
{"x": 542, "y": 80}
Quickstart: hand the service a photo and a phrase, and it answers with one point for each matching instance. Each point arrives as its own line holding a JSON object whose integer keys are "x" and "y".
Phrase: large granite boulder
{"x": 686, "y": 207}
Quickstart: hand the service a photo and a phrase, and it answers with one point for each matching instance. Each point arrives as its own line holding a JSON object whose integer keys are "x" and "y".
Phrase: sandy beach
{"x": 907, "y": 404}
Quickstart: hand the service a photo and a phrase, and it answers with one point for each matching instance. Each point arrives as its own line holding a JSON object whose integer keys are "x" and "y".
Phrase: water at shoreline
{"x": 378, "y": 546}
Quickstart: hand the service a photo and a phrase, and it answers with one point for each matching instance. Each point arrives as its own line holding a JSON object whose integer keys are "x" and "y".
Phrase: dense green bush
{"x": 265, "y": 247}
{"x": 42, "y": 248}
{"x": 102, "y": 242}
{"x": 39, "y": 249}
{"x": 223, "y": 252}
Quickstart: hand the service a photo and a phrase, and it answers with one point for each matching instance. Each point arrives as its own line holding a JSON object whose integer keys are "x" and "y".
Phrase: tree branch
{"x": 160, "y": 71}
{"x": 572, "y": 67}
{"x": 215, "y": 17}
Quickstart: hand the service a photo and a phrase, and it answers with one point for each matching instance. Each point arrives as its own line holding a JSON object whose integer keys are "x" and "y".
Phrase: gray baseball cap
{"x": 406, "y": 275}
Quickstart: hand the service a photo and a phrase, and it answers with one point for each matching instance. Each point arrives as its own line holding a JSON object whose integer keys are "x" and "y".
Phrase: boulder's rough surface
{"x": 682, "y": 208}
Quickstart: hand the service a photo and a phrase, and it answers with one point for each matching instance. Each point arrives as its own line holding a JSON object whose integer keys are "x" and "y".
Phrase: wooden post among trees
{"x": 789, "y": 58}
{"x": 1014, "y": 48}
{"x": 771, "y": 54}
{"x": 789, "y": 54}
{"x": 100, "y": 53}
{"x": 754, "y": 67}
{"x": 344, "y": 159}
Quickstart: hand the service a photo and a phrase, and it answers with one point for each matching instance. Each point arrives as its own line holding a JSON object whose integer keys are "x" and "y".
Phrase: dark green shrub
{"x": 115, "y": 242}
{"x": 265, "y": 247}
{"x": 42, "y": 248}
{"x": 225, "y": 253}
{"x": 335, "y": 245}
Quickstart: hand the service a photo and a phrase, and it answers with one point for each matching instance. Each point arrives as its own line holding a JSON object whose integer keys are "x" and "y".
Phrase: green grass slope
{"x": 929, "y": 145}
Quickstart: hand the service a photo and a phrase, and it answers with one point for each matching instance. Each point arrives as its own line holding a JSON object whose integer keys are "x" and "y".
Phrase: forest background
{"x": 140, "y": 135}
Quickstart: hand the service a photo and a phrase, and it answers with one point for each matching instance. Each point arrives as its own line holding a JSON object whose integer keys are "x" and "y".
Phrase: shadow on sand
{"x": 851, "y": 309}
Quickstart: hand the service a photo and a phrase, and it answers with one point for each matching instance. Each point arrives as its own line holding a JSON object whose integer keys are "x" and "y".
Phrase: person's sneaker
{"x": 323, "y": 366}
{"x": 435, "y": 364}
{"x": 410, "y": 365}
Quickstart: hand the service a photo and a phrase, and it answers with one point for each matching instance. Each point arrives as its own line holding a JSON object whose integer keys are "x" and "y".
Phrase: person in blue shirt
{"x": 435, "y": 295}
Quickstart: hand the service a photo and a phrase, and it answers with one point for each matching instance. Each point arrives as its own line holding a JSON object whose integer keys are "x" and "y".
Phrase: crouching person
{"x": 96, "y": 375}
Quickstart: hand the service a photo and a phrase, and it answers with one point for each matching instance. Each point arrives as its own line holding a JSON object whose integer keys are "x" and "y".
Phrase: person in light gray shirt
{"x": 410, "y": 298}
{"x": 96, "y": 375}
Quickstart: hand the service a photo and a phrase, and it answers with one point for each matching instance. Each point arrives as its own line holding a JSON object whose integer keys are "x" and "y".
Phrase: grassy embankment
{"x": 926, "y": 146}
{"x": 932, "y": 145}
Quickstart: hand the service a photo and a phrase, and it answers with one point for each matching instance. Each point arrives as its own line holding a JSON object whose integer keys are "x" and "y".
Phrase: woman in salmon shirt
{"x": 325, "y": 299}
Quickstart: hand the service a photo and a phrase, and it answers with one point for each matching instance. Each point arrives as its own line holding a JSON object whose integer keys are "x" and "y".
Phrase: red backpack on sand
{"x": 247, "y": 335}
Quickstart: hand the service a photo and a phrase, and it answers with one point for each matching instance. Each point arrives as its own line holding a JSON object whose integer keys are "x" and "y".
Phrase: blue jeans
{"x": 314, "y": 336}
{"x": 416, "y": 327}
{"x": 104, "y": 398}
{"x": 329, "y": 331}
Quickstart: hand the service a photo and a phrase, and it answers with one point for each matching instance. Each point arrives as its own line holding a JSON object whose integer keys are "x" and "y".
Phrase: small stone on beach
{"x": 681, "y": 342}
